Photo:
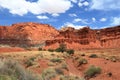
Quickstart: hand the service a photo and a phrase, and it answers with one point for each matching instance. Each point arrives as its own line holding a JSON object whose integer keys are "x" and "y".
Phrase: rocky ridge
{"x": 44, "y": 35}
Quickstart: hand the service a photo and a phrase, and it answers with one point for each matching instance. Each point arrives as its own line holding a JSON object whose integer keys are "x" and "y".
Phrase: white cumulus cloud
{"x": 55, "y": 15}
{"x": 85, "y": 3}
{"x": 77, "y": 20}
{"x": 93, "y": 19}
{"x": 73, "y": 15}
{"x": 83, "y": 21}
{"x": 22, "y": 7}
{"x": 73, "y": 25}
{"x": 115, "y": 21}
{"x": 42, "y": 17}
{"x": 105, "y": 4}
{"x": 80, "y": 4}
{"x": 103, "y": 19}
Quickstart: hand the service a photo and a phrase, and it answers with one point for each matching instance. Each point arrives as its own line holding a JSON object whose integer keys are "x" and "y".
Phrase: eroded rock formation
{"x": 27, "y": 34}
{"x": 87, "y": 38}
{"x": 35, "y": 34}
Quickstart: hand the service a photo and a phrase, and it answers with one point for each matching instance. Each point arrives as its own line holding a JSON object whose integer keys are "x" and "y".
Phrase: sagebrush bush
{"x": 59, "y": 71}
{"x": 92, "y": 71}
{"x": 48, "y": 74}
{"x": 40, "y": 49}
{"x": 93, "y": 56}
{"x": 82, "y": 61}
{"x": 63, "y": 77}
{"x": 59, "y": 60}
{"x": 70, "y": 51}
{"x": 29, "y": 62}
{"x": 61, "y": 48}
{"x": 5, "y": 77}
{"x": 51, "y": 50}
{"x": 64, "y": 66}
{"x": 14, "y": 71}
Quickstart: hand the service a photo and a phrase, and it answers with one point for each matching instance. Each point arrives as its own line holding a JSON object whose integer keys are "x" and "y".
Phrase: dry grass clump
{"x": 71, "y": 78}
{"x": 48, "y": 74}
{"x": 12, "y": 70}
{"x": 92, "y": 71}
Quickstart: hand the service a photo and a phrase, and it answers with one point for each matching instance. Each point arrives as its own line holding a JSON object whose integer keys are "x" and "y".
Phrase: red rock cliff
{"x": 87, "y": 38}
{"x": 24, "y": 34}
{"x": 34, "y": 34}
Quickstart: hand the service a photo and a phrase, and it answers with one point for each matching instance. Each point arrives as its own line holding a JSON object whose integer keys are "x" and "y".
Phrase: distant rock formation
{"x": 27, "y": 34}
{"x": 87, "y": 38}
{"x": 44, "y": 35}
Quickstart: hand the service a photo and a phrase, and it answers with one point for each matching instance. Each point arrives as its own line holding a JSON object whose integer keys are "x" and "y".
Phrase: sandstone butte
{"x": 43, "y": 35}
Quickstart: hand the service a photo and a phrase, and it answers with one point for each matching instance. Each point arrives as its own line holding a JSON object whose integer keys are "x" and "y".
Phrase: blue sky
{"x": 60, "y": 13}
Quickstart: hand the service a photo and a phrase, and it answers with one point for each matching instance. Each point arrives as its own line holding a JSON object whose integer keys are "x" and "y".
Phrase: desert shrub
{"x": 11, "y": 70}
{"x": 113, "y": 58}
{"x": 83, "y": 54}
{"x": 6, "y": 77}
{"x": 71, "y": 78}
{"x": 61, "y": 48}
{"x": 82, "y": 61}
{"x": 51, "y": 50}
{"x": 59, "y": 60}
{"x": 32, "y": 58}
{"x": 40, "y": 49}
{"x": 48, "y": 74}
{"x": 70, "y": 51}
{"x": 109, "y": 74}
{"x": 29, "y": 62}
{"x": 59, "y": 71}
{"x": 27, "y": 48}
{"x": 64, "y": 66}
{"x": 93, "y": 56}
{"x": 92, "y": 71}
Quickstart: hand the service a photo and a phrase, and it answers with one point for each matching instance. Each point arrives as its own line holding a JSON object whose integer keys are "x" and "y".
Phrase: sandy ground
{"x": 43, "y": 58}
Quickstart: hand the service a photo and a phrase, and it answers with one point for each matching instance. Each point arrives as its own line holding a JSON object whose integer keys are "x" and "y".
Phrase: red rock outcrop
{"x": 87, "y": 38}
{"x": 35, "y": 34}
{"x": 110, "y": 37}
{"x": 27, "y": 34}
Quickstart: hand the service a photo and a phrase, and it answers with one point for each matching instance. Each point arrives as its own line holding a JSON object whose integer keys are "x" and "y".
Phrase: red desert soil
{"x": 72, "y": 69}
{"x": 43, "y": 64}
{"x": 106, "y": 66}
{"x": 10, "y": 49}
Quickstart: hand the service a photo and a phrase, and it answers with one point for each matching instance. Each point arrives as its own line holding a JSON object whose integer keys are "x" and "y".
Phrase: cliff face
{"x": 110, "y": 37}
{"x": 87, "y": 38}
{"x": 34, "y": 34}
{"x": 76, "y": 39}
{"x": 27, "y": 34}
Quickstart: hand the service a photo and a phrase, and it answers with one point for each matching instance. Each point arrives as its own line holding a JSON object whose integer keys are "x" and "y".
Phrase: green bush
{"x": 71, "y": 78}
{"x": 64, "y": 66}
{"x": 40, "y": 49}
{"x": 92, "y": 71}
{"x": 59, "y": 60}
{"x": 82, "y": 61}
{"x": 51, "y": 50}
{"x": 29, "y": 62}
{"x": 5, "y": 77}
{"x": 59, "y": 71}
{"x": 70, "y": 51}
{"x": 61, "y": 48}
{"x": 83, "y": 54}
{"x": 11, "y": 70}
{"x": 93, "y": 56}
{"x": 48, "y": 74}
